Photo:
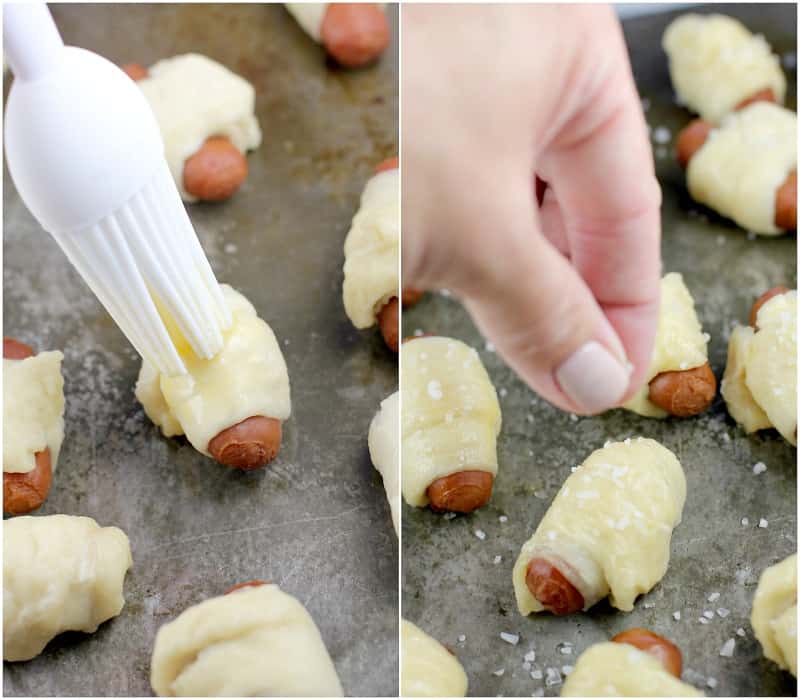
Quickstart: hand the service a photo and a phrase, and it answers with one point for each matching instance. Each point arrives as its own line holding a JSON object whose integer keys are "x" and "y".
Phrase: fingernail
{"x": 593, "y": 378}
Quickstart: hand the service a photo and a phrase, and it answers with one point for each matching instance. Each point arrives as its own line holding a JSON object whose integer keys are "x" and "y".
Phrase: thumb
{"x": 538, "y": 311}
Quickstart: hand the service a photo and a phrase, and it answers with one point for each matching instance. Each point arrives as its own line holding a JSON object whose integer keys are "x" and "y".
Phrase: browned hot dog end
{"x": 388, "y": 164}
{"x": 685, "y": 392}
{"x": 765, "y": 95}
{"x": 552, "y": 589}
{"x": 215, "y": 171}
{"x": 763, "y": 299}
{"x": 354, "y": 34}
{"x": 411, "y": 296}
{"x": 461, "y": 492}
{"x": 26, "y": 491}
{"x": 786, "y": 203}
{"x": 247, "y": 584}
{"x": 389, "y": 322}
{"x": 135, "y": 71}
{"x": 248, "y": 445}
{"x": 651, "y": 643}
{"x": 15, "y": 350}
{"x": 690, "y": 140}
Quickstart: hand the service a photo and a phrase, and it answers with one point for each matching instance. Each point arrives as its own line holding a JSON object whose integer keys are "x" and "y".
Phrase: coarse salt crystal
{"x": 530, "y": 656}
{"x": 712, "y": 597}
{"x": 723, "y": 612}
{"x": 708, "y": 614}
{"x": 498, "y": 672}
{"x": 676, "y": 615}
{"x": 480, "y": 534}
{"x": 740, "y": 631}
{"x": 435, "y": 389}
{"x": 538, "y": 693}
{"x": 552, "y": 677}
{"x": 702, "y": 620}
{"x": 711, "y": 682}
{"x": 566, "y": 670}
{"x": 763, "y": 522}
{"x": 537, "y": 674}
{"x": 728, "y": 647}
{"x": 503, "y": 518}
{"x": 649, "y": 604}
{"x": 529, "y": 418}
{"x": 498, "y": 559}
{"x": 745, "y": 521}
{"x": 573, "y": 417}
{"x": 720, "y": 240}
{"x": 512, "y": 639}
{"x": 759, "y": 468}
{"x": 462, "y": 638}
{"x": 661, "y": 135}
{"x": 418, "y": 332}
{"x": 526, "y": 665}
{"x": 489, "y": 346}
{"x": 230, "y": 248}
{"x": 564, "y": 648}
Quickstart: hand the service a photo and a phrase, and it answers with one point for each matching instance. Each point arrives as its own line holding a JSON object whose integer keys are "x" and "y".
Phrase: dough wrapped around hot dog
{"x": 206, "y": 114}
{"x": 774, "y": 616}
{"x": 372, "y": 257}
{"x": 715, "y": 64}
{"x": 384, "y": 449}
{"x": 255, "y": 641}
{"x": 680, "y": 381}
{"x": 746, "y": 167}
{"x": 33, "y": 424}
{"x": 449, "y": 426}
{"x": 353, "y": 34}
{"x": 760, "y": 381}
{"x": 229, "y": 407}
{"x": 60, "y": 573}
{"x": 636, "y": 663}
{"x": 606, "y": 533}
{"x": 429, "y": 670}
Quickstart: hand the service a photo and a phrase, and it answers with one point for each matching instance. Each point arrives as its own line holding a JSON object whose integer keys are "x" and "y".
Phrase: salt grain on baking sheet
{"x": 723, "y": 612}
{"x": 498, "y": 559}
{"x": 537, "y": 674}
{"x": 418, "y": 332}
{"x": 708, "y": 613}
{"x": 573, "y": 417}
{"x": 526, "y": 665}
{"x": 706, "y": 337}
{"x": 529, "y": 418}
{"x": 480, "y": 534}
{"x": 740, "y": 631}
{"x": 489, "y": 346}
{"x": 512, "y": 639}
{"x": 676, "y": 615}
{"x": 662, "y": 135}
{"x": 564, "y": 648}
{"x": 759, "y": 468}
{"x": 503, "y": 518}
{"x": 763, "y": 522}
{"x": 712, "y": 597}
{"x": 498, "y": 672}
{"x": 538, "y": 693}
{"x": 711, "y": 682}
{"x": 503, "y": 392}
{"x": 789, "y": 60}
{"x": 649, "y": 604}
{"x": 230, "y": 248}
{"x": 720, "y": 240}
{"x": 445, "y": 292}
{"x": 702, "y": 620}
{"x": 449, "y": 516}
{"x": 462, "y": 638}
{"x": 728, "y": 647}
{"x": 693, "y": 677}
{"x": 530, "y": 656}
{"x": 745, "y": 521}
{"x": 566, "y": 670}
{"x": 552, "y": 677}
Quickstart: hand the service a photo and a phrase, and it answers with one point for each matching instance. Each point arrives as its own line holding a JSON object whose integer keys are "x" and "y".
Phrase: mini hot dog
{"x": 679, "y": 381}
{"x": 450, "y": 422}
{"x": 760, "y": 381}
{"x": 692, "y": 139}
{"x": 614, "y": 669}
{"x": 371, "y": 249}
{"x": 606, "y": 533}
{"x": 230, "y": 407}
{"x": 31, "y": 440}
{"x": 353, "y": 34}
{"x": 206, "y": 158}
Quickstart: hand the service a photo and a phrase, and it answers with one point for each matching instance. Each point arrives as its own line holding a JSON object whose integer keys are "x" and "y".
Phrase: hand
{"x": 492, "y": 97}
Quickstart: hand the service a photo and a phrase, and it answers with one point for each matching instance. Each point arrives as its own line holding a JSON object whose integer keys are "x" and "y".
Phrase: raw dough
{"x": 450, "y": 414}
{"x": 742, "y": 165}
{"x": 715, "y": 63}
{"x": 248, "y": 377}
{"x": 60, "y": 573}
{"x": 760, "y": 381}
{"x": 608, "y": 529}
{"x": 384, "y": 450}
{"x": 774, "y": 616}
{"x": 256, "y": 641}
{"x": 33, "y": 410}
{"x": 309, "y": 16}
{"x": 612, "y": 670}
{"x": 194, "y": 98}
{"x": 429, "y": 670}
{"x": 372, "y": 251}
{"x": 680, "y": 342}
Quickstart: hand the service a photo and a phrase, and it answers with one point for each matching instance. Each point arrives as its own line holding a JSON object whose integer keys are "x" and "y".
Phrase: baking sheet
{"x": 316, "y": 520}
{"x": 451, "y": 585}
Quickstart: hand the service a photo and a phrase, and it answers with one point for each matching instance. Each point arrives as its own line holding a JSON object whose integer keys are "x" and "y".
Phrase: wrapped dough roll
{"x": 230, "y": 407}
{"x": 354, "y": 34}
{"x": 429, "y": 669}
{"x": 760, "y": 381}
{"x": 449, "y": 427}
{"x": 33, "y": 424}
{"x": 774, "y": 616}
{"x": 372, "y": 256}
{"x": 680, "y": 381}
{"x": 207, "y": 118}
{"x": 636, "y": 663}
{"x": 607, "y": 531}
{"x": 747, "y": 168}
{"x": 254, "y": 641}
{"x": 384, "y": 450}
{"x": 716, "y": 64}
{"x": 60, "y": 573}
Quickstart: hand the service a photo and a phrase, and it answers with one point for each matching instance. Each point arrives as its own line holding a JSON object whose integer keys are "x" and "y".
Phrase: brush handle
{"x": 32, "y": 44}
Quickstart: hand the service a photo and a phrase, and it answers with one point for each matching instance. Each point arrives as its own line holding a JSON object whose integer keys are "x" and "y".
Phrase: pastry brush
{"x": 85, "y": 152}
